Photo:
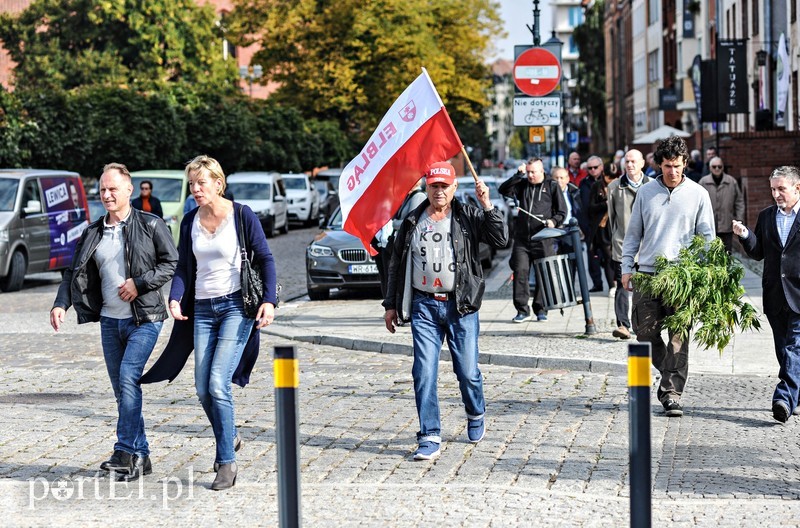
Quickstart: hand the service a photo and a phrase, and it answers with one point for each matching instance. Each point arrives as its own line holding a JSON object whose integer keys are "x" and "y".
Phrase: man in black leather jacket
{"x": 435, "y": 264}
{"x": 542, "y": 205}
{"x": 119, "y": 266}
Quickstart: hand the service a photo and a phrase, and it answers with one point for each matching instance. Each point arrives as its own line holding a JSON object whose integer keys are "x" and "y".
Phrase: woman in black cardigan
{"x": 206, "y": 302}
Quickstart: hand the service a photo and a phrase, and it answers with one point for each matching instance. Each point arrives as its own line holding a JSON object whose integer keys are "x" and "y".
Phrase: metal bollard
{"x": 287, "y": 437}
{"x": 639, "y": 382}
{"x": 577, "y": 247}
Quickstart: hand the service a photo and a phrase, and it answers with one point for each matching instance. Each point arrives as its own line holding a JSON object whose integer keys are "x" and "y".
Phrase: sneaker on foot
{"x": 541, "y": 317}
{"x": 673, "y": 408}
{"x": 796, "y": 411}
{"x": 621, "y": 332}
{"x": 780, "y": 411}
{"x": 612, "y": 292}
{"x": 426, "y": 450}
{"x": 475, "y": 430}
{"x": 521, "y": 318}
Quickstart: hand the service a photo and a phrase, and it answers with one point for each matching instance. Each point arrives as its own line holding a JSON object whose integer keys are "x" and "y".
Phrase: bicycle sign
{"x": 537, "y": 117}
{"x": 537, "y": 111}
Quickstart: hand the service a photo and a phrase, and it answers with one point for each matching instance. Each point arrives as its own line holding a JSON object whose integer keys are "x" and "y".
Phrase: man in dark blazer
{"x": 776, "y": 240}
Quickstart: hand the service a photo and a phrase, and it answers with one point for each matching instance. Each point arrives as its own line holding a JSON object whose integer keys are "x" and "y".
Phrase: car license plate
{"x": 363, "y": 269}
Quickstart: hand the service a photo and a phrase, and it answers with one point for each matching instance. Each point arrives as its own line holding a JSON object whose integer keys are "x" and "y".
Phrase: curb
{"x": 488, "y": 358}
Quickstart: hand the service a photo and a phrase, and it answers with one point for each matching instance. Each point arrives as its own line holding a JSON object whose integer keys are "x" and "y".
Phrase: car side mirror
{"x": 279, "y": 198}
{"x": 323, "y": 221}
{"x": 33, "y": 207}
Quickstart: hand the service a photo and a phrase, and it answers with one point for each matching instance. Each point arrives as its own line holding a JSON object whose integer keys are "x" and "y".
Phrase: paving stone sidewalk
{"x": 556, "y": 451}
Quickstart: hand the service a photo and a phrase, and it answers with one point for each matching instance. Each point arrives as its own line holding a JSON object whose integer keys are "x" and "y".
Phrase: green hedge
{"x": 82, "y": 130}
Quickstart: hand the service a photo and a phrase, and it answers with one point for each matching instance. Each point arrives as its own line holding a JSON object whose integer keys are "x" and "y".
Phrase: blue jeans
{"x": 221, "y": 330}
{"x": 431, "y": 322}
{"x": 127, "y": 348}
{"x": 786, "y": 335}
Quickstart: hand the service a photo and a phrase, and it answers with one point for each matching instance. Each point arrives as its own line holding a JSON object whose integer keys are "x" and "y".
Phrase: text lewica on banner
{"x": 414, "y": 133}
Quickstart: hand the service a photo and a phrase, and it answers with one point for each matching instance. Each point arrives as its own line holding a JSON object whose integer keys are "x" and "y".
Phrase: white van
{"x": 265, "y": 194}
{"x": 42, "y": 216}
{"x": 302, "y": 198}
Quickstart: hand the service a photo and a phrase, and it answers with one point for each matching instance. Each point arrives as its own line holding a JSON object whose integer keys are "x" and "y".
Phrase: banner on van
{"x": 65, "y": 207}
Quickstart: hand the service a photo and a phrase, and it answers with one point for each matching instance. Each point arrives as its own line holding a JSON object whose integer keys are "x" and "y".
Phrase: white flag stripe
{"x": 391, "y": 134}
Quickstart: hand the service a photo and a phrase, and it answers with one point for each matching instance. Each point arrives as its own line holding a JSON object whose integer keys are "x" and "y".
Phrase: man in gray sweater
{"x": 667, "y": 214}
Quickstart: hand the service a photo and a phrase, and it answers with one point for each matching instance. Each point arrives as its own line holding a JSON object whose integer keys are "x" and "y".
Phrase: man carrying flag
{"x": 415, "y": 132}
{"x": 435, "y": 264}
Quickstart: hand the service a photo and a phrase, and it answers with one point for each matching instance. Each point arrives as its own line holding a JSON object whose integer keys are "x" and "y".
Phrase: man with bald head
{"x": 621, "y": 195}
{"x": 727, "y": 200}
{"x": 576, "y": 173}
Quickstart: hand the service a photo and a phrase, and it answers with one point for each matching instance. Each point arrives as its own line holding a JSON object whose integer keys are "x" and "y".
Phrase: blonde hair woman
{"x": 206, "y": 302}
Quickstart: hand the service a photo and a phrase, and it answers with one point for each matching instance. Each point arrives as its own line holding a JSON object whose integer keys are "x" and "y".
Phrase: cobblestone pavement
{"x": 555, "y": 454}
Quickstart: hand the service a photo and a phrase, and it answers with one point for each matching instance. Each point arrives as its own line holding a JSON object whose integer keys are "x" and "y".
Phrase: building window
{"x": 573, "y": 48}
{"x": 652, "y": 67}
{"x": 652, "y": 12}
{"x": 754, "y": 12}
{"x": 652, "y": 119}
{"x": 639, "y": 79}
{"x": 575, "y": 16}
{"x": 638, "y": 20}
{"x": 228, "y": 50}
{"x": 793, "y": 12}
{"x": 795, "y": 110}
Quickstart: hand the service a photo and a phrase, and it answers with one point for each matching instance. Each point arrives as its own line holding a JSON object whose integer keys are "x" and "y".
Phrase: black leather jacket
{"x": 469, "y": 226}
{"x": 150, "y": 259}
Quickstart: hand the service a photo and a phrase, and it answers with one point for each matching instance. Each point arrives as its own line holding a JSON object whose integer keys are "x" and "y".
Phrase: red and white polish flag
{"x": 415, "y": 133}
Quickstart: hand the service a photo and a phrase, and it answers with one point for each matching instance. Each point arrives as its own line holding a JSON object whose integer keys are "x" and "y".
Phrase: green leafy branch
{"x": 704, "y": 286}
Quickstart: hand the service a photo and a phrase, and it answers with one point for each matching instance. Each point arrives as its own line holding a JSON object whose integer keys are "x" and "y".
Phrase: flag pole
{"x": 469, "y": 162}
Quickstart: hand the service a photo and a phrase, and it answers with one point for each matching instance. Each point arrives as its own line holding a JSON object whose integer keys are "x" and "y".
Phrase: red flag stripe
{"x": 434, "y": 141}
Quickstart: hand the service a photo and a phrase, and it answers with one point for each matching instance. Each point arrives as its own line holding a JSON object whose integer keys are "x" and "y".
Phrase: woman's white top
{"x": 219, "y": 262}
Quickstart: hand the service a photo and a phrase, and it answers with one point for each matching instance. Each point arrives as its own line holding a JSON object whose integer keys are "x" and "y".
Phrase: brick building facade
{"x": 242, "y": 56}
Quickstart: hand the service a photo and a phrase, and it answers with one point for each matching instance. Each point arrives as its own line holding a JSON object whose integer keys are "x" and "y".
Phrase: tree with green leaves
{"x": 591, "y": 89}
{"x": 348, "y": 60}
{"x": 139, "y": 44}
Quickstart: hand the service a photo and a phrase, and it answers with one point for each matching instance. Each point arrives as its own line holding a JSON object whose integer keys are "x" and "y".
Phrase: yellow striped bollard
{"x": 639, "y": 383}
{"x": 287, "y": 436}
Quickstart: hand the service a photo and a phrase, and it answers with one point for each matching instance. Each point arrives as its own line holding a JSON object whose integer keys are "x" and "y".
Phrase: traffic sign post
{"x": 537, "y": 72}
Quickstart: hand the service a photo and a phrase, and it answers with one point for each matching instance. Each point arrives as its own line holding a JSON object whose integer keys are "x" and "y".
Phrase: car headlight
{"x": 3, "y": 235}
{"x": 316, "y": 250}
{"x": 302, "y": 199}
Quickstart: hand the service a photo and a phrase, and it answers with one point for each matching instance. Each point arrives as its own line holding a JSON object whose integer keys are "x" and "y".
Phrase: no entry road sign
{"x": 537, "y": 72}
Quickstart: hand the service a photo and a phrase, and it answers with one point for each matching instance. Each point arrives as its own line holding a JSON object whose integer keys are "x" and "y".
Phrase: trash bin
{"x": 554, "y": 274}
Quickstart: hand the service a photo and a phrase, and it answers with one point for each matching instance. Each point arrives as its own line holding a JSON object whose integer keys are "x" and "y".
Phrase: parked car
{"x": 265, "y": 194}
{"x": 95, "y": 208}
{"x": 170, "y": 187}
{"x": 42, "y": 215}
{"x": 302, "y": 199}
{"x": 467, "y": 184}
{"x": 337, "y": 259}
{"x": 327, "y": 205}
{"x": 327, "y": 184}
{"x": 486, "y": 252}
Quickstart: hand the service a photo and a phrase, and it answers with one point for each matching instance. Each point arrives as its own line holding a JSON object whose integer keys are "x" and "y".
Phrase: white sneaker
{"x": 612, "y": 291}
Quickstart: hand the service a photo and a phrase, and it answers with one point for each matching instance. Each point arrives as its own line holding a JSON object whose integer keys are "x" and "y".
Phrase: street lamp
{"x": 250, "y": 72}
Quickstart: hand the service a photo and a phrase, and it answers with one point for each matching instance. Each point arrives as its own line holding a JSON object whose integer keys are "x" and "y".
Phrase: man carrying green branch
{"x": 667, "y": 214}
{"x": 775, "y": 239}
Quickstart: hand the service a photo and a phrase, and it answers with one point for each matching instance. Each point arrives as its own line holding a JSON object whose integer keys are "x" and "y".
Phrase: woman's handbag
{"x": 252, "y": 281}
